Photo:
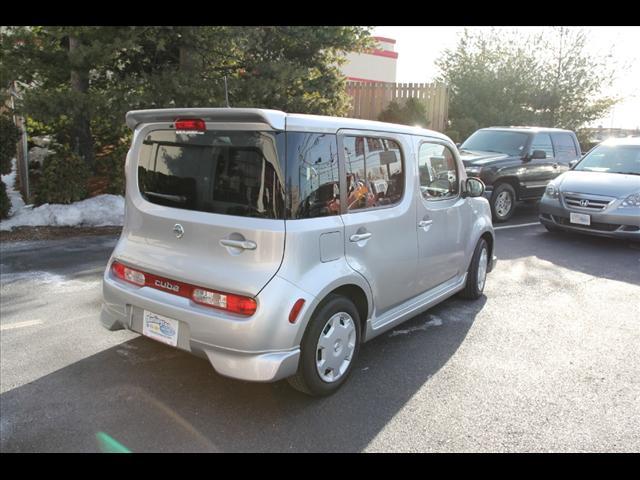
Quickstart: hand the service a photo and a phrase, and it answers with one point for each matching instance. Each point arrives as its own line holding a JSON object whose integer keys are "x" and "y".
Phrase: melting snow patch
{"x": 10, "y": 180}
{"x": 433, "y": 321}
{"x": 60, "y": 282}
{"x": 101, "y": 211}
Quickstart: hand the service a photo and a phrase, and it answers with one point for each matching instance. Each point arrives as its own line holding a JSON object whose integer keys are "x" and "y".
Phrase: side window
{"x": 313, "y": 182}
{"x": 542, "y": 141}
{"x": 565, "y": 147}
{"x": 375, "y": 175}
{"x": 438, "y": 172}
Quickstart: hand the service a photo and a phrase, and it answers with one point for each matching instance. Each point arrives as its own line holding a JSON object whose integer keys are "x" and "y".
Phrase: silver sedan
{"x": 600, "y": 195}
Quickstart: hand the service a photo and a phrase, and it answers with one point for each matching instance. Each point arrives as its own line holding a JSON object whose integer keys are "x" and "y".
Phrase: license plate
{"x": 161, "y": 328}
{"x": 580, "y": 218}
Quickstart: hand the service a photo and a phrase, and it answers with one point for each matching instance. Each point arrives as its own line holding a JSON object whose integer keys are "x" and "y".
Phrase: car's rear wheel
{"x": 477, "y": 273}
{"x": 503, "y": 202}
{"x": 329, "y": 347}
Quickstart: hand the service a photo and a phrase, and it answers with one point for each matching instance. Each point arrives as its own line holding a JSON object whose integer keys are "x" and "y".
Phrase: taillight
{"x": 128, "y": 274}
{"x": 225, "y": 301}
{"x": 211, "y": 298}
{"x": 293, "y": 314}
{"x": 191, "y": 124}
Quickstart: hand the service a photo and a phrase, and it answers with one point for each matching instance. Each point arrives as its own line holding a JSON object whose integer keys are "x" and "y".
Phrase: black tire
{"x": 471, "y": 290}
{"x": 307, "y": 379}
{"x": 501, "y": 188}
{"x": 551, "y": 228}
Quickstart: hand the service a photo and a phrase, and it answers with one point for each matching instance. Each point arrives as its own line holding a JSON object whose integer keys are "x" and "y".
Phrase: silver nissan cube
{"x": 275, "y": 244}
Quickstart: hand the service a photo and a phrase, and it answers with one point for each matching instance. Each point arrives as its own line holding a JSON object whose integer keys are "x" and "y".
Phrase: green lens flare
{"x": 110, "y": 445}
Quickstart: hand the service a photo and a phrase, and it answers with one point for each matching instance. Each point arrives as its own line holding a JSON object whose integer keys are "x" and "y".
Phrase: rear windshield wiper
{"x": 629, "y": 173}
{"x": 171, "y": 198}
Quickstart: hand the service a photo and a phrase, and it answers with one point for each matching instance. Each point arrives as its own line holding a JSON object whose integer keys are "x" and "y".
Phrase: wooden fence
{"x": 369, "y": 99}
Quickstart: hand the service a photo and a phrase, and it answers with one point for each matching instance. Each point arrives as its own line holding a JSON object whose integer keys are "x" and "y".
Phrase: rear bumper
{"x": 259, "y": 348}
{"x": 623, "y": 224}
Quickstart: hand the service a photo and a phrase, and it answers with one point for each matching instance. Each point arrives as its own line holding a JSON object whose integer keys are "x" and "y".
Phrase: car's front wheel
{"x": 329, "y": 347}
{"x": 477, "y": 273}
{"x": 503, "y": 202}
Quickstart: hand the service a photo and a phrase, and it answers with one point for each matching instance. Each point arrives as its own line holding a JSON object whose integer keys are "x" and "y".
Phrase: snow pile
{"x": 100, "y": 211}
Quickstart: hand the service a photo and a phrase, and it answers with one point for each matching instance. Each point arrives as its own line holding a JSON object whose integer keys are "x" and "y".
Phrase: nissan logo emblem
{"x": 178, "y": 230}
{"x": 584, "y": 203}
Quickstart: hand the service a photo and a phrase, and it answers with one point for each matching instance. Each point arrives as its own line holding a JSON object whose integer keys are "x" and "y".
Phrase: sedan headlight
{"x": 552, "y": 191}
{"x": 473, "y": 171}
{"x": 632, "y": 200}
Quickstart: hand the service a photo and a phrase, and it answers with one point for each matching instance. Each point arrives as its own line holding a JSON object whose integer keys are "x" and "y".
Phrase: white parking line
{"x": 517, "y": 226}
{"x": 28, "y": 323}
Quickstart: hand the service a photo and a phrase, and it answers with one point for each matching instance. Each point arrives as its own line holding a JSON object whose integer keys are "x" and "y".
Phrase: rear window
{"x": 565, "y": 146}
{"x": 226, "y": 172}
{"x": 497, "y": 141}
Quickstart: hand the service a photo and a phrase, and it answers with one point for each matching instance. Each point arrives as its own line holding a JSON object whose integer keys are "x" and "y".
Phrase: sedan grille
{"x": 586, "y": 202}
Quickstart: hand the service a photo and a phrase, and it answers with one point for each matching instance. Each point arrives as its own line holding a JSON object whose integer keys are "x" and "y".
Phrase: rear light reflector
{"x": 191, "y": 124}
{"x": 229, "y": 302}
{"x": 128, "y": 274}
{"x": 206, "y": 297}
{"x": 225, "y": 301}
{"x": 293, "y": 315}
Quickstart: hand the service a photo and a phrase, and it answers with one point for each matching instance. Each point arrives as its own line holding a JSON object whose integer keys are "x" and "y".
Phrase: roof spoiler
{"x": 273, "y": 118}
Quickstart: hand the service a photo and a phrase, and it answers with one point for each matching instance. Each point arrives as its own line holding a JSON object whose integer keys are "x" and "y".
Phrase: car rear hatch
{"x": 205, "y": 197}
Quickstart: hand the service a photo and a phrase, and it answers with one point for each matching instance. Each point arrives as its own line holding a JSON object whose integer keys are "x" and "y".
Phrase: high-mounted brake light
{"x": 191, "y": 124}
{"x": 210, "y": 298}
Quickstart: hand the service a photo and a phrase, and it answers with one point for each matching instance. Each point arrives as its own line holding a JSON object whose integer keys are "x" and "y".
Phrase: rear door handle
{"x": 424, "y": 223}
{"x": 360, "y": 236}
{"x": 243, "y": 244}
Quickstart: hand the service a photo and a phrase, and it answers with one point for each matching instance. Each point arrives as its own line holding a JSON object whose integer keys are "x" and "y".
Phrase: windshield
{"x": 498, "y": 141}
{"x": 612, "y": 159}
{"x": 230, "y": 172}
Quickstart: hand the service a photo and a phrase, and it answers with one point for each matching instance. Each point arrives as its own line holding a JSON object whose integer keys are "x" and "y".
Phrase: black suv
{"x": 516, "y": 163}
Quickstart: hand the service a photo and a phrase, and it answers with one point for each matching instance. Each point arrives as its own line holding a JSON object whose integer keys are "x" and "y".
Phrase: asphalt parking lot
{"x": 547, "y": 360}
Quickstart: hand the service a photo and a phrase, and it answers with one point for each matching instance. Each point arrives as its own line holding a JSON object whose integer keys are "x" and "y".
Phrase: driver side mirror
{"x": 473, "y": 187}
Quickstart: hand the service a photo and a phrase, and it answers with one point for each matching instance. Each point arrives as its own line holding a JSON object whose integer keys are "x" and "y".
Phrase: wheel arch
{"x": 353, "y": 288}
{"x": 511, "y": 180}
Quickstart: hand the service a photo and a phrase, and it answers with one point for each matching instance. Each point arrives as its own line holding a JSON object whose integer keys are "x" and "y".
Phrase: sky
{"x": 419, "y": 47}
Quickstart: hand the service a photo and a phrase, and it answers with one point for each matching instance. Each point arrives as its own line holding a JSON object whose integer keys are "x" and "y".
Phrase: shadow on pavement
{"x": 601, "y": 257}
{"x": 150, "y": 397}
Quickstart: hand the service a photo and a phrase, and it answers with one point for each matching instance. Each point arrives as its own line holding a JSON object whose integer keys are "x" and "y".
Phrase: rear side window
{"x": 565, "y": 146}
{"x": 375, "y": 174}
{"x": 313, "y": 181}
{"x": 225, "y": 172}
{"x": 542, "y": 141}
